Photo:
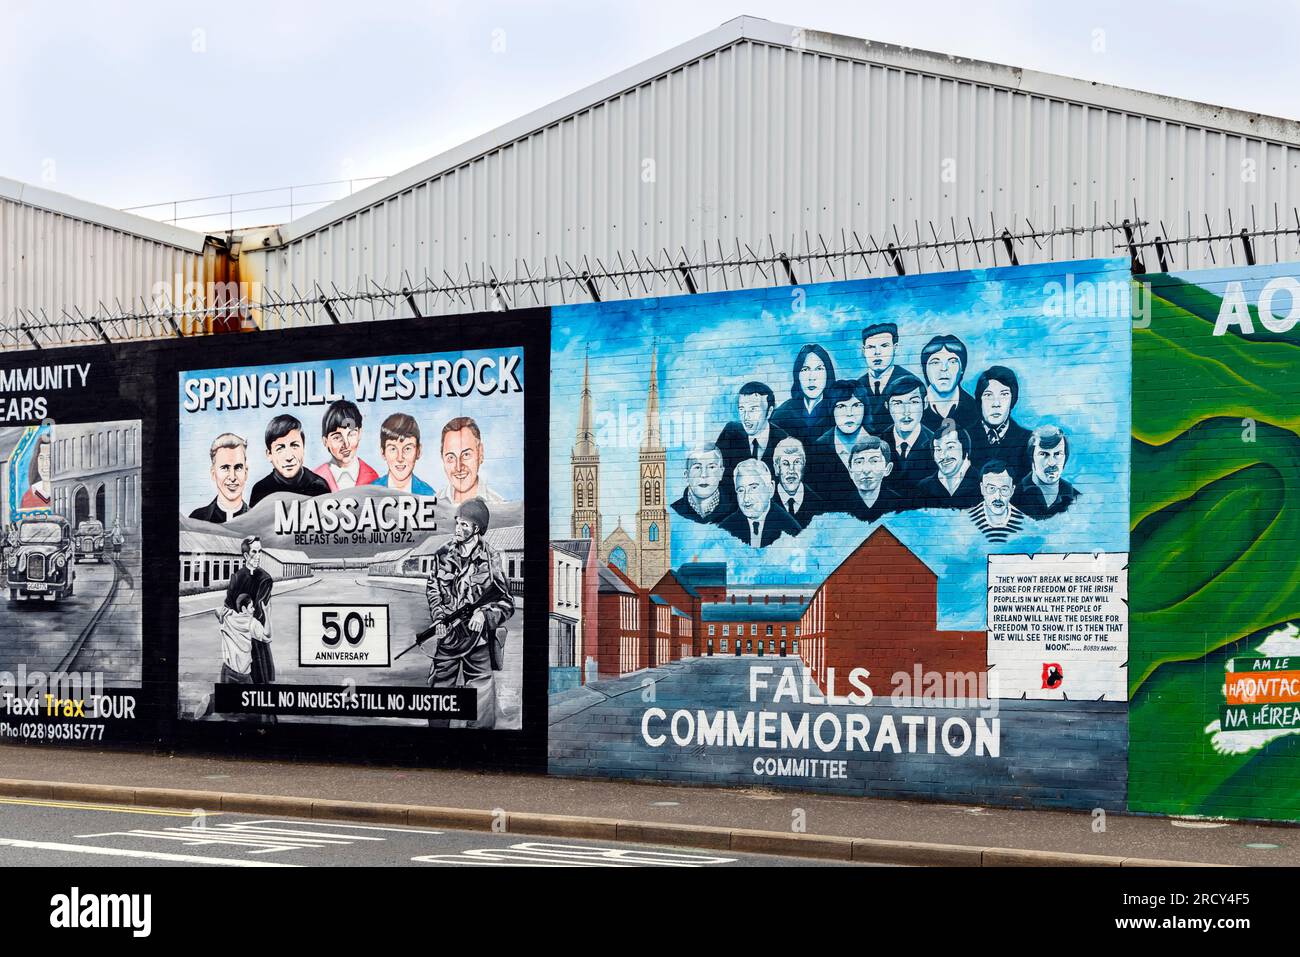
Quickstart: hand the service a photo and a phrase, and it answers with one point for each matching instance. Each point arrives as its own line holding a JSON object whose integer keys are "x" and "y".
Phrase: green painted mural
{"x": 1214, "y": 573}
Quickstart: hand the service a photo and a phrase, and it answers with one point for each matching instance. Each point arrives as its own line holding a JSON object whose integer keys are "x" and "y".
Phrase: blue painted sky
{"x": 1074, "y": 371}
{"x": 499, "y": 418}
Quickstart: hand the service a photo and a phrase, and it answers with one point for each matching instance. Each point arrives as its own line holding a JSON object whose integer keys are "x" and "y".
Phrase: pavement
{"x": 745, "y": 820}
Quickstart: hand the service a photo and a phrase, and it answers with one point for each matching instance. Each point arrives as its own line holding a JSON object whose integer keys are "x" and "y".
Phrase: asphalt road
{"x": 58, "y": 833}
{"x": 40, "y": 634}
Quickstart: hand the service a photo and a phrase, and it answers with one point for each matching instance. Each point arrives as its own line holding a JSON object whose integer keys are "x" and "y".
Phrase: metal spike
{"x": 935, "y": 251}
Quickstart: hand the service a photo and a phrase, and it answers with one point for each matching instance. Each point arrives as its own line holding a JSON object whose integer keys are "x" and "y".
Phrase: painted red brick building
{"x": 877, "y": 611}
{"x": 688, "y": 589}
{"x": 670, "y": 632}
{"x": 637, "y": 628}
{"x": 753, "y": 625}
{"x": 620, "y": 643}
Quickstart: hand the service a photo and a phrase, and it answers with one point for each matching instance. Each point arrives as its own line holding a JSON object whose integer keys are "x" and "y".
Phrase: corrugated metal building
{"x": 753, "y": 130}
{"x": 60, "y": 253}
{"x": 759, "y": 129}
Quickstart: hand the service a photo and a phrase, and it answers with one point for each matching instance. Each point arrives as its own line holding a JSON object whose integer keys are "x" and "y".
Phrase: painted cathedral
{"x": 643, "y": 558}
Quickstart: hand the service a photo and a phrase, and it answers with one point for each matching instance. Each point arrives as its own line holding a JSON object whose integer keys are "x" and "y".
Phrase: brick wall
{"x": 896, "y": 592}
{"x": 879, "y": 614}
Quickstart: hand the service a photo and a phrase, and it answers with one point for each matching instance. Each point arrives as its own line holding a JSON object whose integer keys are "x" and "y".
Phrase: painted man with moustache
{"x": 1045, "y": 493}
{"x": 956, "y": 482}
{"x": 995, "y": 516}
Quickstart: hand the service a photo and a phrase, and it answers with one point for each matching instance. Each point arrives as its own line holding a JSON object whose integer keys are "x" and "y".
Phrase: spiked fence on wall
{"x": 1150, "y": 247}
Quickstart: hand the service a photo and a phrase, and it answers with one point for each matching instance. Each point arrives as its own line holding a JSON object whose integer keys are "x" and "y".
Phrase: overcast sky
{"x": 178, "y": 99}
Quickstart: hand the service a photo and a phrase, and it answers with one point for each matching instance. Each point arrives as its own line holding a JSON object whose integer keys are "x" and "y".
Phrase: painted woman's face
{"x": 812, "y": 376}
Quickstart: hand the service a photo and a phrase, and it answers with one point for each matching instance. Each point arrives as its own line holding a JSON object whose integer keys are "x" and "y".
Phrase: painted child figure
{"x": 239, "y": 629}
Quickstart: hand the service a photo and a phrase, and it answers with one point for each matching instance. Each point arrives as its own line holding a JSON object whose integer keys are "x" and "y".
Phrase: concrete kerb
{"x": 917, "y": 854}
{"x": 794, "y": 845}
{"x": 359, "y": 812}
{"x": 264, "y": 804}
{"x": 776, "y": 843}
{"x": 563, "y": 825}
{"x": 454, "y": 818}
{"x": 675, "y": 835}
{"x": 28, "y": 789}
{"x": 91, "y": 793}
{"x": 1012, "y": 857}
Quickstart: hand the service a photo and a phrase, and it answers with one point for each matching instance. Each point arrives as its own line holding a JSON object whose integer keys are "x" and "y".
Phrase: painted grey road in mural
{"x": 49, "y": 834}
{"x": 98, "y": 627}
{"x": 1041, "y": 750}
{"x": 200, "y": 640}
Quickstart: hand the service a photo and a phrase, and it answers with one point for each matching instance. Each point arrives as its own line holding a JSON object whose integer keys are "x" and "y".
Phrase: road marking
{"x": 142, "y": 855}
{"x": 74, "y": 806}
{"x": 266, "y": 836}
{"x": 535, "y": 854}
{"x": 208, "y": 837}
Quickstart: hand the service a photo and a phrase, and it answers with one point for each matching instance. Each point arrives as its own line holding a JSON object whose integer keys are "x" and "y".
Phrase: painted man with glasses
{"x": 995, "y": 516}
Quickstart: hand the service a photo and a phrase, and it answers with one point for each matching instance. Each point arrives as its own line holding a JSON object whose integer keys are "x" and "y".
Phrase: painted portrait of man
{"x": 955, "y": 481}
{"x": 943, "y": 364}
{"x": 287, "y": 452}
{"x": 752, "y": 435}
{"x": 870, "y": 465}
{"x": 340, "y": 432}
{"x": 758, "y": 520}
{"x": 792, "y": 492}
{"x": 229, "y": 471}
{"x": 462, "y": 455}
{"x": 399, "y": 443}
{"x": 703, "y": 500}
{"x": 998, "y": 435}
{"x": 1045, "y": 492}
{"x": 995, "y": 516}
{"x": 879, "y": 352}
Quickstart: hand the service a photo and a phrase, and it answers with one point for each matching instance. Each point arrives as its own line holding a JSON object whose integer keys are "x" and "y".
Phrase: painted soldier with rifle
{"x": 469, "y": 603}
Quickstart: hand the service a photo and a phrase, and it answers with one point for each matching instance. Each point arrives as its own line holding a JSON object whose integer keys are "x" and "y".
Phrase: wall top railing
{"x": 713, "y": 267}
{"x": 228, "y": 210}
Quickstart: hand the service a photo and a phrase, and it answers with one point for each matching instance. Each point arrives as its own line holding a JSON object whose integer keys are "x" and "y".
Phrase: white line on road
{"x": 144, "y": 855}
{"x": 201, "y": 837}
{"x": 263, "y": 837}
{"x": 538, "y": 854}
